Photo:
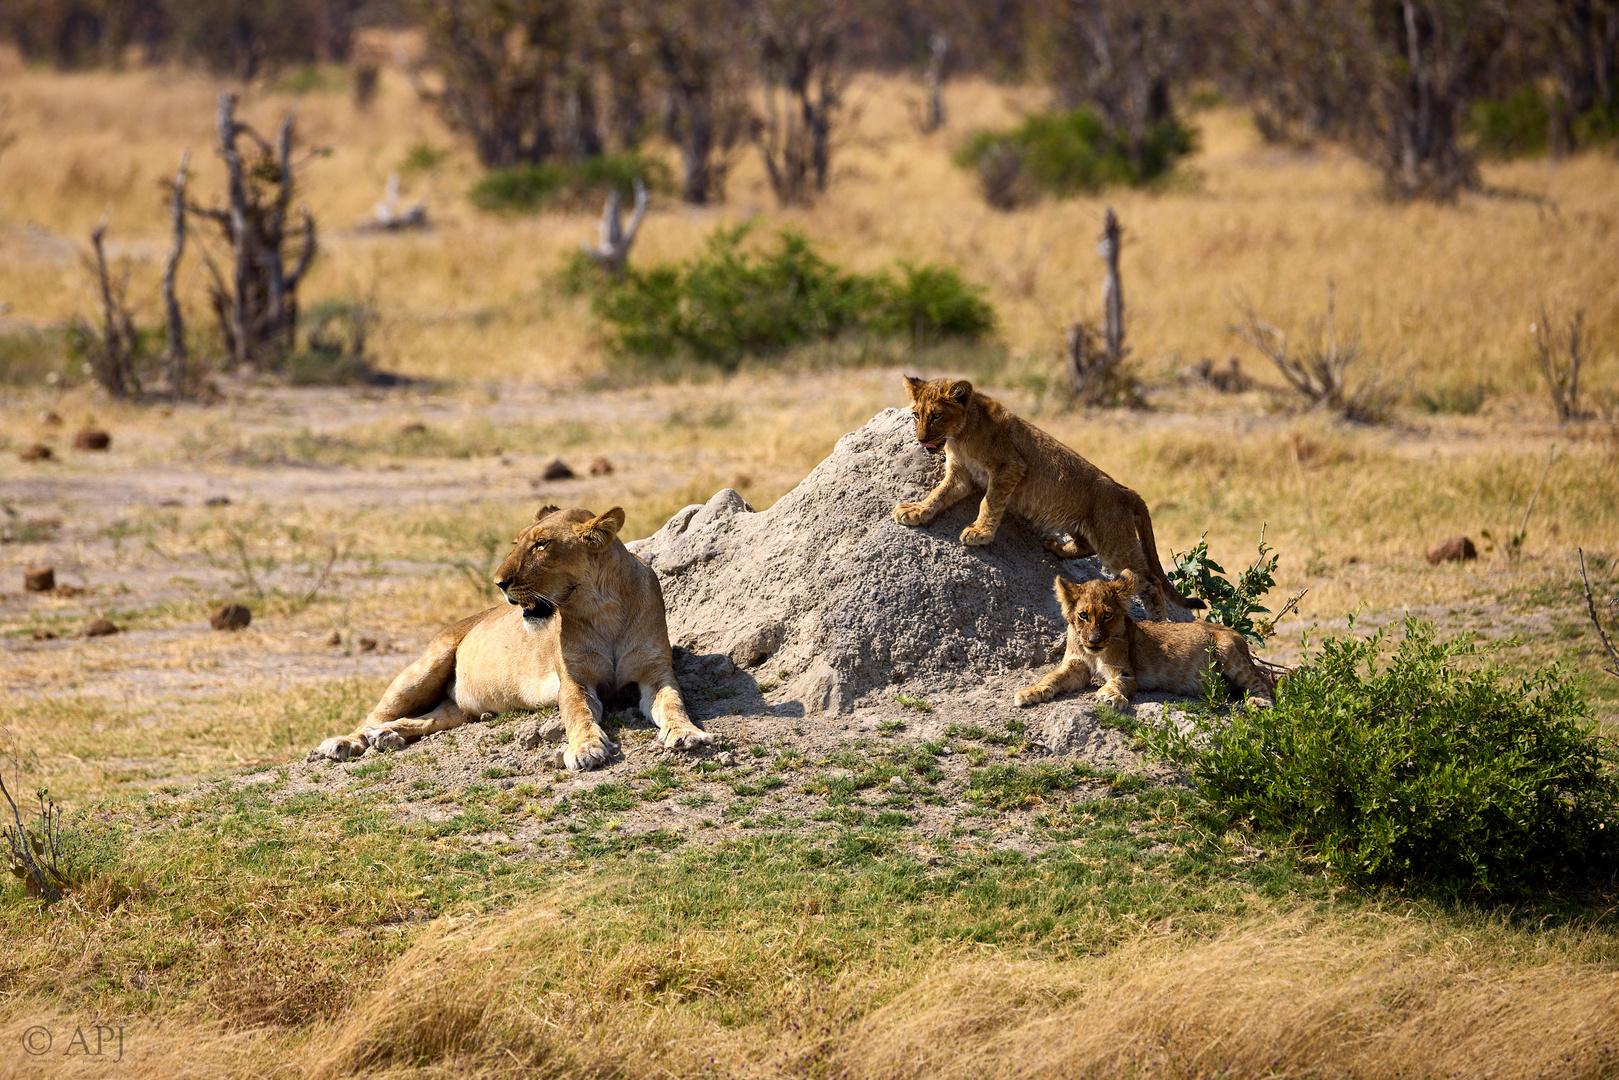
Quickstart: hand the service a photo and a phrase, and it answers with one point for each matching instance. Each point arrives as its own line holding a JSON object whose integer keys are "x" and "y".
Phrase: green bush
{"x": 730, "y": 302}
{"x": 1511, "y": 126}
{"x": 1435, "y": 769}
{"x": 1066, "y": 154}
{"x": 1230, "y": 604}
{"x": 523, "y": 189}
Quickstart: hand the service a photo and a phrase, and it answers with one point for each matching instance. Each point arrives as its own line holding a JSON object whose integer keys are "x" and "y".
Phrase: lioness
{"x": 1021, "y": 468}
{"x": 583, "y": 615}
{"x": 1103, "y": 641}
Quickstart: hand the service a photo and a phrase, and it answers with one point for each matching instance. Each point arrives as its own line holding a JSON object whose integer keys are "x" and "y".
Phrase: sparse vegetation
{"x": 572, "y": 184}
{"x": 1067, "y": 154}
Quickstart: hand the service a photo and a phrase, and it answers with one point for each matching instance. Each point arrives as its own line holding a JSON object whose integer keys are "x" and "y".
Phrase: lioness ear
{"x": 961, "y": 390}
{"x": 913, "y": 384}
{"x": 1125, "y": 586}
{"x": 544, "y": 512}
{"x": 598, "y": 532}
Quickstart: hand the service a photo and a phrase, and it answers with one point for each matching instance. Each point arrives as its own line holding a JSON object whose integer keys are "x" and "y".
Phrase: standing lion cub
{"x": 1105, "y": 643}
{"x": 1020, "y": 468}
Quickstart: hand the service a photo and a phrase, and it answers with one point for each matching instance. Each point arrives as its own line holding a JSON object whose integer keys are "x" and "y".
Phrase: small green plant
{"x": 423, "y": 157}
{"x": 1432, "y": 768}
{"x": 733, "y": 301}
{"x": 890, "y": 727}
{"x": 1230, "y": 604}
{"x": 911, "y": 701}
{"x": 1511, "y": 126}
{"x": 524, "y": 189}
{"x": 1066, "y": 154}
{"x": 35, "y": 855}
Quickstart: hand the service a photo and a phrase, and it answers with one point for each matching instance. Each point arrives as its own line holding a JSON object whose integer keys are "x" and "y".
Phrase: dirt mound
{"x": 826, "y": 593}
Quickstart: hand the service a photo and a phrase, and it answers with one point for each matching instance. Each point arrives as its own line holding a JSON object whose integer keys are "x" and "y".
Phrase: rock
{"x": 42, "y": 634}
{"x": 36, "y": 452}
{"x": 230, "y": 617}
{"x": 216, "y": 500}
{"x": 1076, "y": 733}
{"x": 531, "y": 733}
{"x": 1453, "y": 549}
{"x": 557, "y": 470}
{"x": 334, "y": 639}
{"x": 601, "y": 467}
{"x": 727, "y": 759}
{"x": 97, "y": 627}
{"x": 38, "y": 579}
{"x": 415, "y": 427}
{"x": 50, "y": 419}
{"x": 91, "y": 439}
{"x": 834, "y": 597}
{"x": 366, "y": 644}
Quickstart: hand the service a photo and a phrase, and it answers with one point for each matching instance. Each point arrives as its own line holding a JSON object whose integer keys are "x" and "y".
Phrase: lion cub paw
{"x": 1033, "y": 695}
{"x": 1112, "y": 699}
{"x": 973, "y": 536}
{"x": 337, "y": 748}
{"x": 912, "y": 514}
{"x": 589, "y": 752}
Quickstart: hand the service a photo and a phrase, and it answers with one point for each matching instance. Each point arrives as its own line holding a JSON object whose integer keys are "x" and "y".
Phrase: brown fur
{"x": 1105, "y": 643}
{"x": 1022, "y": 469}
{"x": 584, "y": 616}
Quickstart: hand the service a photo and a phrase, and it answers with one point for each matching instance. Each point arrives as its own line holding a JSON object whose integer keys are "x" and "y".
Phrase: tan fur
{"x": 584, "y": 616}
{"x": 1020, "y": 468}
{"x": 1105, "y": 644}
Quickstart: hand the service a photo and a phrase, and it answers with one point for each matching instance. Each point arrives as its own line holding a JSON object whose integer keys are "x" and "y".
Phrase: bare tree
{"x": 110, "y": 351}
{"x": 695, "y": 43}
{"x": 175, "y": 354}
{"x": 1096, "y": 360}
{"x": 1120, "y": 57}
{"x": 798, "y": 42}
{"x": 258, "y": 308}
{"x": 1561, "y": 352}
{"x": 614, "y": 247}
{"x": 1318, "y": 371}
{"x": 933, "y": 109}
{"x": 1591, "y": 610}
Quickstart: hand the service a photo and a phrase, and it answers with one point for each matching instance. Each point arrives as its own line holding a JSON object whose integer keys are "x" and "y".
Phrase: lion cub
{"x": 1103, "y": 641}
{"x": 1021, "y": 468}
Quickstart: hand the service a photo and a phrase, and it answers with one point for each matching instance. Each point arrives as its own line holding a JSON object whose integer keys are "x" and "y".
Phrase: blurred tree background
{"x": 1420, "y": 88}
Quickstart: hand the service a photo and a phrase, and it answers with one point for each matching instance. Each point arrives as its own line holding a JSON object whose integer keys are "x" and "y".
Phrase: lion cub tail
{"x": 1149, "y": 547}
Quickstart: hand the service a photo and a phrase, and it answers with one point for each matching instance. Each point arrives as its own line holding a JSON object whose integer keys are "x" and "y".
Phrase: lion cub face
{"x": 551, "y": 557}
{"x": 940, "y": 408}
{"x": 1096, "y": 611}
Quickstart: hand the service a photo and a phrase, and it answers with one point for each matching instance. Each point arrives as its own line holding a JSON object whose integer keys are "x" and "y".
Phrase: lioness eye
{"x": 933, "y": 417}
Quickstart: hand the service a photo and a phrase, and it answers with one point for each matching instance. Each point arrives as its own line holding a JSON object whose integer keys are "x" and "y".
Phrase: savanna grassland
{"x": 231, "y": 928}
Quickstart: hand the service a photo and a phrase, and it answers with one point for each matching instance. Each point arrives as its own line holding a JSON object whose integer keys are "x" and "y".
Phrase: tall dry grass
{"x": 1446, "y": 293}
{"x": 543, "y": 991}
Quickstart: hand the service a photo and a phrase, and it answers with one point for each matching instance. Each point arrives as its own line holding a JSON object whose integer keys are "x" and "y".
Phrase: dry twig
{"x": 1591, "y": 609}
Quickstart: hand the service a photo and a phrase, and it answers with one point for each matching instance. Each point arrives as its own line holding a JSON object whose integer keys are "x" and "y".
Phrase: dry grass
{"x": 1449, "y": 292}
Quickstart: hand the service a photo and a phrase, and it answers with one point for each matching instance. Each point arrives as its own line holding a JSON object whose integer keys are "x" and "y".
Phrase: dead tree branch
{"x": 1561, "y": 354}
{"x": 613, "y": 250}
{"x": 111, "y": 353}
{"x": 933, "y": 111}
{"x": 1591, "y": 609}
{"x": 175, "y": 356}
{"x": 1096, "y": 361}
{"x": 37, "y": 858}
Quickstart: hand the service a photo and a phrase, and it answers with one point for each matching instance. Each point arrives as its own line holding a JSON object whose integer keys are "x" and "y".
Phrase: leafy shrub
{"x": 730, "y": 302}
{"x": 1068, "y": 153}
{"x": 1426, "y": 771}
{"x": 1230, "y": 604}
{"x": 1511, "y": 126}
{"x": 523, "y": 189}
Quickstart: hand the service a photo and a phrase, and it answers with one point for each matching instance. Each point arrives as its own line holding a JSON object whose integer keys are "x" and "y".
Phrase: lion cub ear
{"x": 544, "y": 512}
{"x": 960, "y": 391}
{"x": 1067, "y": 591}
{"x": 1125, "y": 587}
{"x": 598, "y": 532}
{"x": 913, "y": 384}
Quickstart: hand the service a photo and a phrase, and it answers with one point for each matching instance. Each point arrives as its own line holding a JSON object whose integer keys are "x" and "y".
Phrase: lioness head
{"x": 551, "y": 557}
{"x": 1096, "y": 610}
{"x": 940, "y": 408}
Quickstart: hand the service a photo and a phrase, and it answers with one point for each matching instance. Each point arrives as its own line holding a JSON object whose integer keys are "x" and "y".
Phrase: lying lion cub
{"x": 584, "y": 615}
{"x": 1104, "y": 642}
{"x": 1021, "y": 468}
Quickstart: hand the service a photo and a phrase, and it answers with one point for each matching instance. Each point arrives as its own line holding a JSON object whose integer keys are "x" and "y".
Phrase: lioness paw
{"x": 587, "y": 753}
{"x": 687, "y": 738}
{"x": 384, "y": 739}
{"x": 911, "y": 514}
{"x": 973, "y": 536}
{"x": 337, "y": 748}
{"x": 1032, "y": 695}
